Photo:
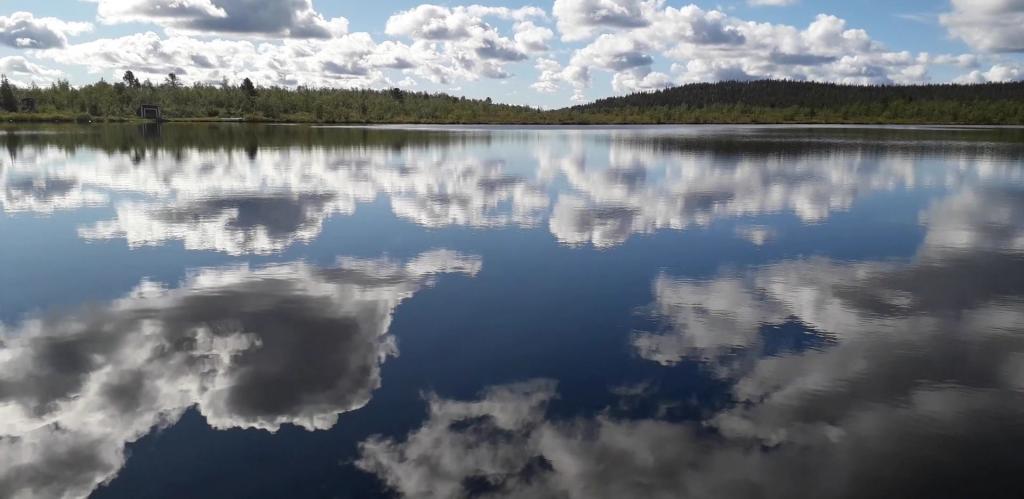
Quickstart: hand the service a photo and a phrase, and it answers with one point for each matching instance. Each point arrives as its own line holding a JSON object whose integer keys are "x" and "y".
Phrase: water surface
{"x": 290, "y": 311}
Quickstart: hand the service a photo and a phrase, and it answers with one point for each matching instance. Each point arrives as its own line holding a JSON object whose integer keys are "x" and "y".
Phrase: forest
{"x": 763, "y": 101}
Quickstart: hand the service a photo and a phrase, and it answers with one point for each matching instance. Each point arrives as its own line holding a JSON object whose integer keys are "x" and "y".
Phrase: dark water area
{"x": 219, "y": 311}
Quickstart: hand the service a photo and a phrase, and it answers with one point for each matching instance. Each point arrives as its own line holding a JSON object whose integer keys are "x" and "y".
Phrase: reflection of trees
{"x": 249, "y": 347}
{"x": 1002, "y": 144}
{"x": 149, "y": 139}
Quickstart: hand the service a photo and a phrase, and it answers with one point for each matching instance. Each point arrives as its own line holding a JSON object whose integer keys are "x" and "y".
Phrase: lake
{"x": 260, "y": 311}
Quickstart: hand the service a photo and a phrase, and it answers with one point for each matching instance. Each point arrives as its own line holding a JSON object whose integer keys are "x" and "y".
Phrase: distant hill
{"x": 781, "y": 93}
{"x": 775, "y": 101}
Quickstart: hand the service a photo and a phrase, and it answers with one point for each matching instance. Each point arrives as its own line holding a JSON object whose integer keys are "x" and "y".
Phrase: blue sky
{"x": 546, "y": 53}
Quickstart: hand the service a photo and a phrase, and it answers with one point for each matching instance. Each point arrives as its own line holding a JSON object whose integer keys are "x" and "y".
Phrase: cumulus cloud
{"x": 643, "y": 45}
{"x": 627, "y": 38}
{"x": 290, "y": 18}
{"x": 352, "y": 60}
{"x": 23, "y": 72}
{"x": 997, "y": 73}
{"x": 443, "y": 45}
{"x": 988, "y": 25}
{"x": 474, "y": 46}
{"x": 23, "y": 30}
{"x": 249, "y": 347}
{"x": 531, "y": 38}
{"x": 581, "y": 19}
{"x": 206, "y": 41}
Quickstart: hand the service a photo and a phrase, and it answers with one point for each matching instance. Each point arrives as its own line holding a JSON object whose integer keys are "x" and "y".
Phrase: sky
{"x": 545, "y": 53}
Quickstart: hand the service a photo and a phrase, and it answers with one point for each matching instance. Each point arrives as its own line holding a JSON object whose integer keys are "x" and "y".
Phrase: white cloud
{"x": 475, "y": 47}
{"x": 351, "y": 60}
{"x": 710, "y": 45}
{"x": 23, "y": 30}
{"x": 207, "y": 42}
{"x": 962, "y": 60}
{"x": 432, "y": 22}
{"x": 549, "y": 76}
{"x": 23, "y": 72}
{"x": 987, "y": 25}
{"x": 289, "y": 18}
{"x": 642, "y": 45}
{"x": 997, "y": 73}
{"x": 531, "y": 38}
{"x": 581, "y": 19}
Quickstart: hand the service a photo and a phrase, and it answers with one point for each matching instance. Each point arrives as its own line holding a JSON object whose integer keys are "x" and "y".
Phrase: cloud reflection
{"x": 895, "y": 379}
{"x": 25, "y": 189}
{"x": 972, "y": 257}
{"x": 588, "y": 189}
{"x": 249, "y": 347}
{"x": 504, "y": 445}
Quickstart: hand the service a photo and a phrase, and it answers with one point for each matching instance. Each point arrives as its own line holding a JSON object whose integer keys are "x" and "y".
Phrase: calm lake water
{"x": 221, "y": 311}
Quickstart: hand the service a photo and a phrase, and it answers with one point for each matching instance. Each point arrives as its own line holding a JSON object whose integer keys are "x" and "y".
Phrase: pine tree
{"x": 7, "y": 99}
{"x": 130, "y": 80}
{"x": 248, "y": 88}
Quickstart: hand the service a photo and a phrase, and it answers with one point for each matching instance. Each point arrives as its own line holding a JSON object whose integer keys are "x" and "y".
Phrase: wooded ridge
{"x": 762, "y": 101}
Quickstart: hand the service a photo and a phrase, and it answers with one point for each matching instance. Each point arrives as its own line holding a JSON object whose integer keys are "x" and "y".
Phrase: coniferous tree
{"x": 7, "y": 99}
{"x": 248, "y": 87}
{"x": 130, "y": 80}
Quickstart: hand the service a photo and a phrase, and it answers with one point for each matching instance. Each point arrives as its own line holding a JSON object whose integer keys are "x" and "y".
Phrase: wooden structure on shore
{"x": 151, "y": 112}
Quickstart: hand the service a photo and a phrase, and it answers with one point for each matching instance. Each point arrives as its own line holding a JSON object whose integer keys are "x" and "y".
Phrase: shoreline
{"x": 16, "y": 119}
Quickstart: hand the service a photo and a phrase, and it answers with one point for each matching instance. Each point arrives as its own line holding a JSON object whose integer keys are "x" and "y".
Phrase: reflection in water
{"x": 503, "y": 446}
{"x": 233, "y": 224}
{"x": 792, "y": 366}
{"x": 223, "y": 199}
{"x": 216, "y": 200}
{"x": 848, "y": 380}
{"x": 250, "y": 347}
{"x": 34, "y": 191}
{"x": 968, "y": 273}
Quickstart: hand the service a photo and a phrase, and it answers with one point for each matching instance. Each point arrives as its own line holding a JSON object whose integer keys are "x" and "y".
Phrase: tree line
{"x": 764, "y": 101}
